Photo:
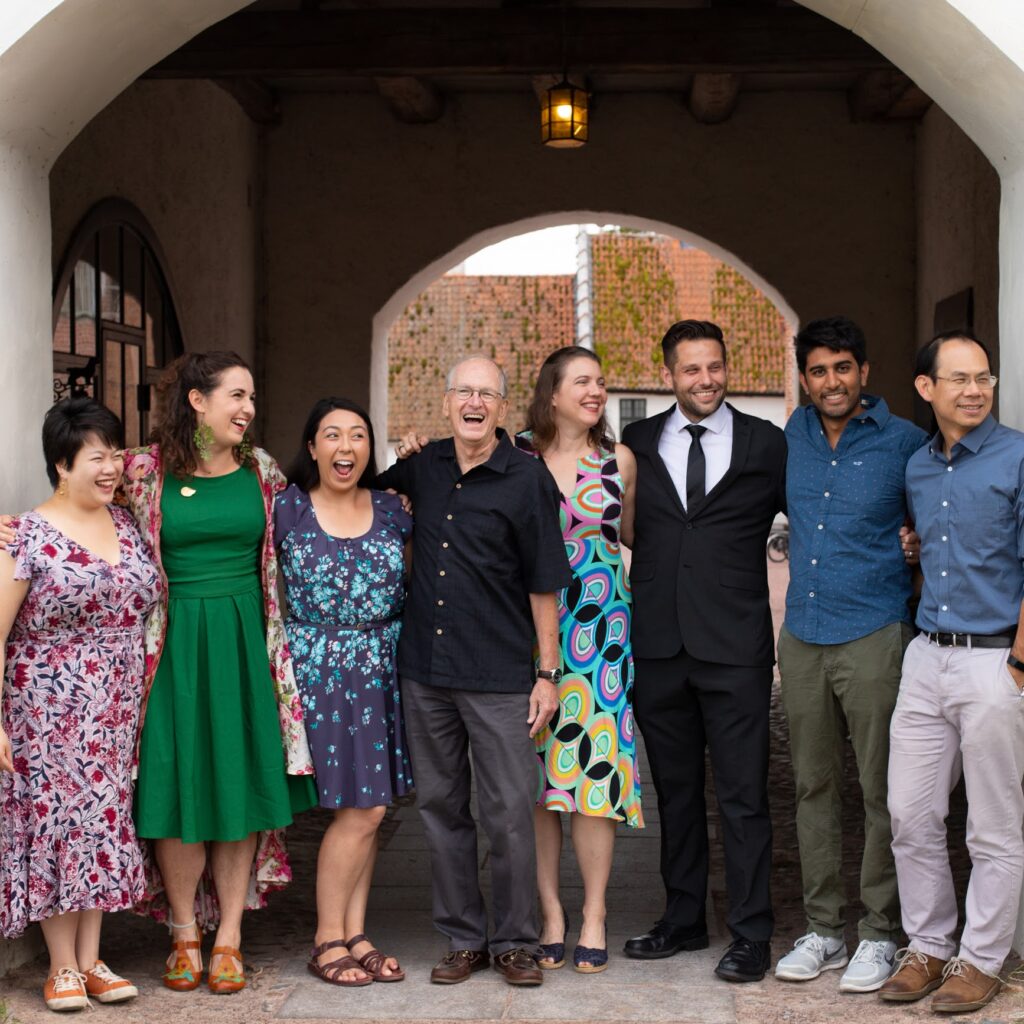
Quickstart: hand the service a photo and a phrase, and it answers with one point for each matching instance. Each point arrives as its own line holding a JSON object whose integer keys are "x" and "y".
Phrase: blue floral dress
{"x": 345, "y": 598}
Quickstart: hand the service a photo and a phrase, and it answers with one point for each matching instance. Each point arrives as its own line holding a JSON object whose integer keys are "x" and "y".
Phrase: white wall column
{"x": 1011, "y": 300}
{"x": 26, "y": 358}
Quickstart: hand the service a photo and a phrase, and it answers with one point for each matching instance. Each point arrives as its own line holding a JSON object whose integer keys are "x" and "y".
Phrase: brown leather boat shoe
{"x": 458, "y": 965}
{"x": 518, "y": 967}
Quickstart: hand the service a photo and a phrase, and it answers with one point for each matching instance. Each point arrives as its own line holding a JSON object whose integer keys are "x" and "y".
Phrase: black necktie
{"x": 695, "y": 467}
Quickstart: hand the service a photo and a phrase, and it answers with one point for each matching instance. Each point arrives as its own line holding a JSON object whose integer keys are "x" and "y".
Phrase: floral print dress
{"x": 345, "y": 596}
{"x": 72, "y": 687}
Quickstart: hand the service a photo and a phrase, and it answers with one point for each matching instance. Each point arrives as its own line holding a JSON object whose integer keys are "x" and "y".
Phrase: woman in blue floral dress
{"x": 342, "y": 555}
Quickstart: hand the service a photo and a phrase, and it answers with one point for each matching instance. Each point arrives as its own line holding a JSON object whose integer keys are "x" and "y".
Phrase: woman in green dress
{"x": 222, "y": 757}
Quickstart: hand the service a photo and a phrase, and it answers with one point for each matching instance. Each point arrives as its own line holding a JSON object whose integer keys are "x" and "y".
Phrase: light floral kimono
{"x": 141, "y": 490}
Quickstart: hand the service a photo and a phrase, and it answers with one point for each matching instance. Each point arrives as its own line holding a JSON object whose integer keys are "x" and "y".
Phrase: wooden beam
{"x": 419, "y": 42}
{"x": 411, "y": 99}
{"x": 914, "y": 103}
{"x": 713, "y": 96}
{"x": 257, "y": 99}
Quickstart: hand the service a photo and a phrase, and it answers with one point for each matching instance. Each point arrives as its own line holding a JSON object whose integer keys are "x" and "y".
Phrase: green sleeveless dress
{"x": 211, "y": 766}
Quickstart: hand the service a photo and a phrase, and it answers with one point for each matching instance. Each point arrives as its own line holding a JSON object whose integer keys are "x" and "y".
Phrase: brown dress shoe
{"x": 915, "y": 976}
{"x": 964, "y": 988}
{"x": 458, "y": 965}
{"x": 518, "y": 967}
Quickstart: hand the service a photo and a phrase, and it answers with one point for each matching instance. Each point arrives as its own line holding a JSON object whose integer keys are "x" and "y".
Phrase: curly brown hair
{"x": 176, "y": 419}
{"x": 539, "y": 419}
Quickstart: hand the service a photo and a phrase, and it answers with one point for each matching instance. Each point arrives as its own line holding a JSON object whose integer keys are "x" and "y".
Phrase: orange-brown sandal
{"x": 226, "y": 980}
{"x": 331, "y": 972}
{"x": 183, "y": 976}
{"x": 375, "y": 961}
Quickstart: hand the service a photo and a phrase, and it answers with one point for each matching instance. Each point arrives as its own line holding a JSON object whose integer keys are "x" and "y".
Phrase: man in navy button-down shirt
{"x": 960, "y": 695}
{"x": 841, "y": 649}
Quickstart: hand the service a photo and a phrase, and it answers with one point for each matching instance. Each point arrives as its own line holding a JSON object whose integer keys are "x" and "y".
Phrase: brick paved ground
{"x": 681, "y": 989}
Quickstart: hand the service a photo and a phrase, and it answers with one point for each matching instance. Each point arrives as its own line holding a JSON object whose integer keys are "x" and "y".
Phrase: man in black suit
{"x": 710, "y": 481}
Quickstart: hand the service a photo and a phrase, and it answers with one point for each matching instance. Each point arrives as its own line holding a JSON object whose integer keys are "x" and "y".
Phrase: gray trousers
{"x": 958, "y": 707}
{"x": 443, "y": 728}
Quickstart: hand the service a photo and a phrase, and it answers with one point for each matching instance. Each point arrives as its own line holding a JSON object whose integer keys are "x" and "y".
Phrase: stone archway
{"x": 416, "y": 284}
{"x": 58, "y": 68}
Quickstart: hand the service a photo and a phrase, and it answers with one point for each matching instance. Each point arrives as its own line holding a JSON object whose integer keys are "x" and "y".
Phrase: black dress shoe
{"x": 745, "y": 960}
{"x": 666, "y": 939}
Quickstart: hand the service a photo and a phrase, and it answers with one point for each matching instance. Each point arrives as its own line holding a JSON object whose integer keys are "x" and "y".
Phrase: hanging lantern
{"x": 564, "y": 115}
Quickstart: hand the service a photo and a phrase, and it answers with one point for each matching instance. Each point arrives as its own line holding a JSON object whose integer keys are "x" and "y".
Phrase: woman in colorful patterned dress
{"x": 343, "y": 558}
{"x": 587, "y": 754}
{"x": 223, "y": 758}
{"x": 76, "y": 584}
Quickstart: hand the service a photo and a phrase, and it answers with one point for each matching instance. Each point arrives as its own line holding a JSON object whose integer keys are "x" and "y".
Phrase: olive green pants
{"x": 829, "y": 692}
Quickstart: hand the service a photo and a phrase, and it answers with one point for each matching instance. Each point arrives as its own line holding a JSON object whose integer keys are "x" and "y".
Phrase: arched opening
{"x": 382, "y": 372}
{"x": 114, "y": 320}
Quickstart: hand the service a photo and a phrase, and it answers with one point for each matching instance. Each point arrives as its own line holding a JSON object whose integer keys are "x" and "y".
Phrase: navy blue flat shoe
{"x": 552, "y": 954}
{"x": 596, "y": 958}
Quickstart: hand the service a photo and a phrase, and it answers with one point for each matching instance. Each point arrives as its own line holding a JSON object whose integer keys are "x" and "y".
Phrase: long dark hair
{"x": 539, "y": 418}
{"x": 176, "y": 419}
{"x": 304, "y": 471}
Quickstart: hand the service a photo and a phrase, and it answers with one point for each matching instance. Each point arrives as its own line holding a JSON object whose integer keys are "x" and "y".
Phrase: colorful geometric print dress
{"x": 72, "y": 687}
{"x": 345, "y": 599}
{"x": 587, "y": 755}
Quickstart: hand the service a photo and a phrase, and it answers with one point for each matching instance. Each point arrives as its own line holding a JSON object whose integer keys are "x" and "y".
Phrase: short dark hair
{"x": 689, "y": 330}
{"x": 927, "y": 357}
{"x": 837, "y": 333}
{"x": 303, "y": 471}
{"x": 69, "y": 424}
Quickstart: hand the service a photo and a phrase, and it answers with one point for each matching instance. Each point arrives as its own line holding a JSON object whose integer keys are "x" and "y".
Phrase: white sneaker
{"x": 870, "y": 967}
{"x": 811, "y": 954}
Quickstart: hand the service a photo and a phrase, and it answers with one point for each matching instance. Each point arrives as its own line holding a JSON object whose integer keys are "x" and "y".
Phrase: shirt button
{"x": 945, "y": 607}
{"x": 814, "y": 561}
{"x": 821, "y": 526}
{"x": 458, "y": 487}
{"x": 811, "y": 594}
{"x": 441, "y": 573}
{"x": 445, "y": 544}
{"x": 944, "y": 573}
{"x": 945, "y": 503}
{"x": 441, "y": 603}
{"x": 834, "y": 463}
{"x": 448, "y": 516}
{"x": 828, "y": 494}
{"x": 944, "y": 539}
{"x": 440, "y": 632}
{"x": 949, "y": 469}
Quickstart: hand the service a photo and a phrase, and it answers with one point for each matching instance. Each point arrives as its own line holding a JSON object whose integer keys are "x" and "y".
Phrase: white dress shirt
{"x": 716, "y": 442}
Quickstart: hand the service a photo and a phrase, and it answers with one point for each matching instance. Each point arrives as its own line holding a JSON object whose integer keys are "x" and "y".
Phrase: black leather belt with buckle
{"x": 969, "y": 639}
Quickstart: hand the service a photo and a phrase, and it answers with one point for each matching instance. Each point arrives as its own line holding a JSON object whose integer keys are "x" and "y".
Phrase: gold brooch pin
{"x": 187, "y": 492}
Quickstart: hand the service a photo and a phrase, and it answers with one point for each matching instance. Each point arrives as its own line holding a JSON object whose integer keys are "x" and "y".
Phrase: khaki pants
{"x": 829, "y": 692}
{"x": 958, "y": 705}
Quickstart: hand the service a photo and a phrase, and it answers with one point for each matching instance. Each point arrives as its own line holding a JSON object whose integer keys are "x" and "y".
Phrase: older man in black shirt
{"x": 489, "y": 557}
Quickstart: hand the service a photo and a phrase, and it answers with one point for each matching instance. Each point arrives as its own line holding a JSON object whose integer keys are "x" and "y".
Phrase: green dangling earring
{"x": 245, "y": 447}
{"x": 203, "y": 440}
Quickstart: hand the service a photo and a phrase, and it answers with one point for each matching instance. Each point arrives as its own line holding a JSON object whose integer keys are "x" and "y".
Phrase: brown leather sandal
{"x": 225, "y": 981}
{"x": 182, "y": 975}
{"x": 375, "y": 961}
{"x": 331, "y": 972}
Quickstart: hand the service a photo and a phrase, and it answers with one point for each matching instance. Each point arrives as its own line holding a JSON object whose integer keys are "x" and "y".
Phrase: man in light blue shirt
{"x": 960, "y": 695}
{"x": 841, "y": 648}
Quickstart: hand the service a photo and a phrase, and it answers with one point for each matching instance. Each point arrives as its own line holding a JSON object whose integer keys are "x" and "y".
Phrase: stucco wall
{"x": 957, "y": 226}
{"x": 357, "y": 203}
{"x": 186, "y": 155}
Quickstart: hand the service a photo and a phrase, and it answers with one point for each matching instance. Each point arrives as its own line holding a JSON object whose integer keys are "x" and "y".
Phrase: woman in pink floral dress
{"x": 76, "y": 585}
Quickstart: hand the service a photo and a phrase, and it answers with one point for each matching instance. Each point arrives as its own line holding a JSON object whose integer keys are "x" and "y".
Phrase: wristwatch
{"x": 554, "y": 674}
{"x": 1010, "y": 660}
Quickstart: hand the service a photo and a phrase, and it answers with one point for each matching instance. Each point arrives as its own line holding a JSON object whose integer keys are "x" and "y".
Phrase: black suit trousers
{"x": 684, "y": 705}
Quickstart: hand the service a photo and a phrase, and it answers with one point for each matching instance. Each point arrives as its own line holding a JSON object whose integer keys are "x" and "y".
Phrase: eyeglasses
{"x": 487, "y": 396}
{"x": 959, "y": 381}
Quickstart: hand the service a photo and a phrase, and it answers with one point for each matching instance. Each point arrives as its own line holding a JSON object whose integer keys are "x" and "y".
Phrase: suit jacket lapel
{"x": 740, "y": 445}
{"x": 660, "y": 469}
